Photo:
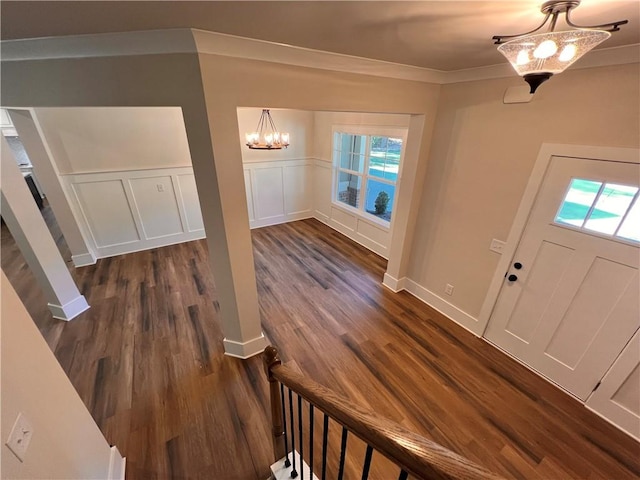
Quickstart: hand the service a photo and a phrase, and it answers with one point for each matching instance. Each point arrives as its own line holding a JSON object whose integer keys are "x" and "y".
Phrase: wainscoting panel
{"x": 268, "y": 192}
{"x": 187, "y": 191}
{"x": 248, "y": 188}
{"x": 344, "y": 220}
{"x": 297, "y": 194}
{"x": 278, "y": 191}
{"x": 322, "y": 190}
{"x": 105, "y": 208}
{"x": 373, "y": 233}
{"x": 128, "y": 211}
{"x": 157, "y": 206}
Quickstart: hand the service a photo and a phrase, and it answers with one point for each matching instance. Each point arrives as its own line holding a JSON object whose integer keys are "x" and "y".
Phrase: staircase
{"x": 296, "y": 439}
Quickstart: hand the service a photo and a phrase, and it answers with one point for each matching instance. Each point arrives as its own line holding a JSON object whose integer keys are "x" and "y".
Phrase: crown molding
{"x": 185, "y": 40}
{"x": 231, "y": 45}
{"x": 149, "y": 42}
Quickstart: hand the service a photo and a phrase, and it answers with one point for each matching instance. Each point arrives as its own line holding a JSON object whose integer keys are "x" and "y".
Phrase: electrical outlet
{"x": 160, "y": 187}
{"x": 497, "y": 246}
{"x": 448, "y": 289}
{"x": 20, "y": 436}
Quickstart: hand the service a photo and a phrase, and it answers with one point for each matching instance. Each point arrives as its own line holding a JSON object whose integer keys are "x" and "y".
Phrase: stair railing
{"x": 414, "y": 454}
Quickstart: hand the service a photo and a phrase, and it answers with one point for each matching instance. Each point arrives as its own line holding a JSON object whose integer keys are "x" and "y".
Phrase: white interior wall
{"x": 65, "y": 442}
{"x": 107, "y": 139}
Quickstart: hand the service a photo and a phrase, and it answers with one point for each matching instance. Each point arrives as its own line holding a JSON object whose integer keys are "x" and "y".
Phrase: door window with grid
{"x": 366, "y": 172}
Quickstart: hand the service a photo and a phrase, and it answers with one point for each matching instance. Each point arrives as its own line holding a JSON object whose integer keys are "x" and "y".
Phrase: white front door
{"x": 570, "y": 300}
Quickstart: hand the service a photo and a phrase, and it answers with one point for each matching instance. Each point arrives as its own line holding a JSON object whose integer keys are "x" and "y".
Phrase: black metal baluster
{"x": 294, "y": 473}
{"x": 403, "y": 475}
{"x": 287, "y": 463}
{"x": 343, "y": 452}
{"x": 301, "y": 440}
{"x": 325, "y": 432}
{"x": 367, "y": 462}
{"x": 310, "y": 441}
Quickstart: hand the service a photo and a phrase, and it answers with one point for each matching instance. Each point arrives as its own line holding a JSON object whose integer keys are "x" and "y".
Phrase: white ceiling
{"x": 442, "y": 35}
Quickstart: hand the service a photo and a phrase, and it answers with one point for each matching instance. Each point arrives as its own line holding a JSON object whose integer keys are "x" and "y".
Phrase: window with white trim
{"x": 608, "y": 209}
{"x": 366, "y": 169}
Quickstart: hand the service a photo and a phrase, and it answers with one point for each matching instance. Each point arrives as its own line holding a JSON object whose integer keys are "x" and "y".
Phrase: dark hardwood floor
{"x": 147, "y": 360}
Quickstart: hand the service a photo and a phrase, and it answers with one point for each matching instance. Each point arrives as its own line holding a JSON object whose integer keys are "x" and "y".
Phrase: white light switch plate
{"x": 497, "y": 246}
{"x": 20, "y": 436}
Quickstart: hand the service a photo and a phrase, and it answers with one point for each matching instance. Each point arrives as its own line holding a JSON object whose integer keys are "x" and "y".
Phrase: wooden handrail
{"x": 419, "y": 456}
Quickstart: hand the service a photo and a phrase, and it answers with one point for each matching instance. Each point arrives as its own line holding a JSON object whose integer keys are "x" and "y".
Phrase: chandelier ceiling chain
{"x": 266, "y": 135}
{"x": 537, "y": 56}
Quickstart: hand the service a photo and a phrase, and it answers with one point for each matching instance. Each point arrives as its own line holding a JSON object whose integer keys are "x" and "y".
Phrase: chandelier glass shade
{"x": 266, "y": 136}
{"x": 538, "y": 56}
{"x": 550, "y": 52}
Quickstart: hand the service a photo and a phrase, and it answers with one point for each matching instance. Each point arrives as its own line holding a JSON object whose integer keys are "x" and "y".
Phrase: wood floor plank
{"x": 147, "y": 360}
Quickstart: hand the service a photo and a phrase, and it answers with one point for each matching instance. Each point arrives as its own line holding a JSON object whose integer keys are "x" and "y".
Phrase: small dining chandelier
{"x": 266, "y": 135}
{"x": 538, "y": 56}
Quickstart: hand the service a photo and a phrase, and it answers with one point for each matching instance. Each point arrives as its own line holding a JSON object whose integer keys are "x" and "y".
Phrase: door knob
{"x": 517, "y": 265}
{"x": 512, "y": 278}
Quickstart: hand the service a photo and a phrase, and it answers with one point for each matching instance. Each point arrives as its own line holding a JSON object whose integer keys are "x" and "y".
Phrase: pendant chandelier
{"x": 538, "y": 56}
{"x": 266, "y": 135}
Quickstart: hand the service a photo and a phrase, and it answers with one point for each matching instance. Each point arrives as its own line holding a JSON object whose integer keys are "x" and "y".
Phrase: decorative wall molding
{"x": 135, "y": 210}
{"x": 278, "y": 191}
{"x": 365, "y": 232}
{"x": 149, "y": 42}
{"x": 249, "y": 48}
{"x": 185, "y": 40}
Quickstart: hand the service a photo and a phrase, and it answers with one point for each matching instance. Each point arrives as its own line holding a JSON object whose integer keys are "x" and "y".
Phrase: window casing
{"x": 367, "y": 170}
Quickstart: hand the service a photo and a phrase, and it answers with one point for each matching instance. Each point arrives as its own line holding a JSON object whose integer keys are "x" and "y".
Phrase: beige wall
{"x": 98, "y": 139}
{"x": 481, "y": 158}
{"x": 298, "y": 123}
{"x": 66, "y": 442}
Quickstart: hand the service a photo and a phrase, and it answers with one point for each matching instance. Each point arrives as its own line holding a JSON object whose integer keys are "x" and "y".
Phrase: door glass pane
{"x": 610, "y": 208}
{"x": 379, "y": 201}
{"x": 577, "y": 202}
{"x": 630, "y": 228}
{"x": 349, "y": 186}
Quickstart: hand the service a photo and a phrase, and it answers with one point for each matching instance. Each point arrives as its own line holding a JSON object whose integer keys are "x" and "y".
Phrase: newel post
{"x": 271, "y": 358}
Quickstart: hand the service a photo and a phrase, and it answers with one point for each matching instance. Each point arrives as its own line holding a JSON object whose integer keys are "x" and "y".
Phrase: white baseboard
{"x": 280, "y": 472}
{"x": 277, "y": 220}
{"x": 461, "y": 317}
{"x": 84, "y": 259}
{"x": 247, "y": 349}
{"x": 323, "y": 217}
{"x": 394, "y": 284}
{"x": 70, "y": 310}
{"x": 117, "y": 465}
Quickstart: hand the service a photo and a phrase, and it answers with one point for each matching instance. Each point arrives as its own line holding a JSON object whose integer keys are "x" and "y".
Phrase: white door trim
{"x": 547, "y": 151}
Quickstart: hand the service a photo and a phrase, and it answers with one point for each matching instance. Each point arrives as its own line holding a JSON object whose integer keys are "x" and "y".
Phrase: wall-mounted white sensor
{"x": 519, "y": 94}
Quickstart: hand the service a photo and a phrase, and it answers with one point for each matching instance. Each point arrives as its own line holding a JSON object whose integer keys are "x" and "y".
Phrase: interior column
{"x": 31, "y": 234}
{"x": 46, "y": 172}
{"x": 217, "y": 164}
